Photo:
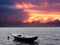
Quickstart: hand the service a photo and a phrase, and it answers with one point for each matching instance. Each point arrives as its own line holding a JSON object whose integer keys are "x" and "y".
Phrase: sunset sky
{"x": 27, "y": 11}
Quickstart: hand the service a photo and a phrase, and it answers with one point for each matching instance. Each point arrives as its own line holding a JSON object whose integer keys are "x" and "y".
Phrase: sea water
{"x": 46, "y": 35}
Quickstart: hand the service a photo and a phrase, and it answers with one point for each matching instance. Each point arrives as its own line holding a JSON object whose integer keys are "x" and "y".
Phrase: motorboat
{"x": 24, "y": 38}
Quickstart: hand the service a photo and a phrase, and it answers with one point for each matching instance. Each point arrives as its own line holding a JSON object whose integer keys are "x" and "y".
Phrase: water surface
{"x": 46, "y": 35}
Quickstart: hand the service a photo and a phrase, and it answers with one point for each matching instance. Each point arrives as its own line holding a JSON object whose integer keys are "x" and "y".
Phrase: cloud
{"x": 45, "y": 5}
{"x": 39, "y": 4}
{"x": 9, "y": 11}
{"x": 6, "y": 2}
{"x": 10, "y": 14}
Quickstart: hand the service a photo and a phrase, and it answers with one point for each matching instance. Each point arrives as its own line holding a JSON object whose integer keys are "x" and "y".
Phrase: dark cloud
{"x": 9, "y": 14}
{"x": 6, "y": 2}
{"x": 8, "y": 11}
{"x": 55, "y": 23}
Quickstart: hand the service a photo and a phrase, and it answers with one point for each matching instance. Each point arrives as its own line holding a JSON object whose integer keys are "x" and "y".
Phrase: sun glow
{"x": 24, "y": 5}
{"x": 41, "y": 16}
{"x": 37, "y": 15}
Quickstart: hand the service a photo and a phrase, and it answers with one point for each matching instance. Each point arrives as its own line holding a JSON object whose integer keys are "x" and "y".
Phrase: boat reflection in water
{"x": 26, "y": 43}
{"x": 25, "y": 40}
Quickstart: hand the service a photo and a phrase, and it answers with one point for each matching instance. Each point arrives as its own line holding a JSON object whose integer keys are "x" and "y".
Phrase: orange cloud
{"x": 42, "y": 16}
{"x": 24, "y": 5}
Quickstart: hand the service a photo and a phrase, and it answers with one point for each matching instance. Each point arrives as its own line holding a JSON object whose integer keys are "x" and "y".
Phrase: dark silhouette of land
{"x": 55, "y": 23}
